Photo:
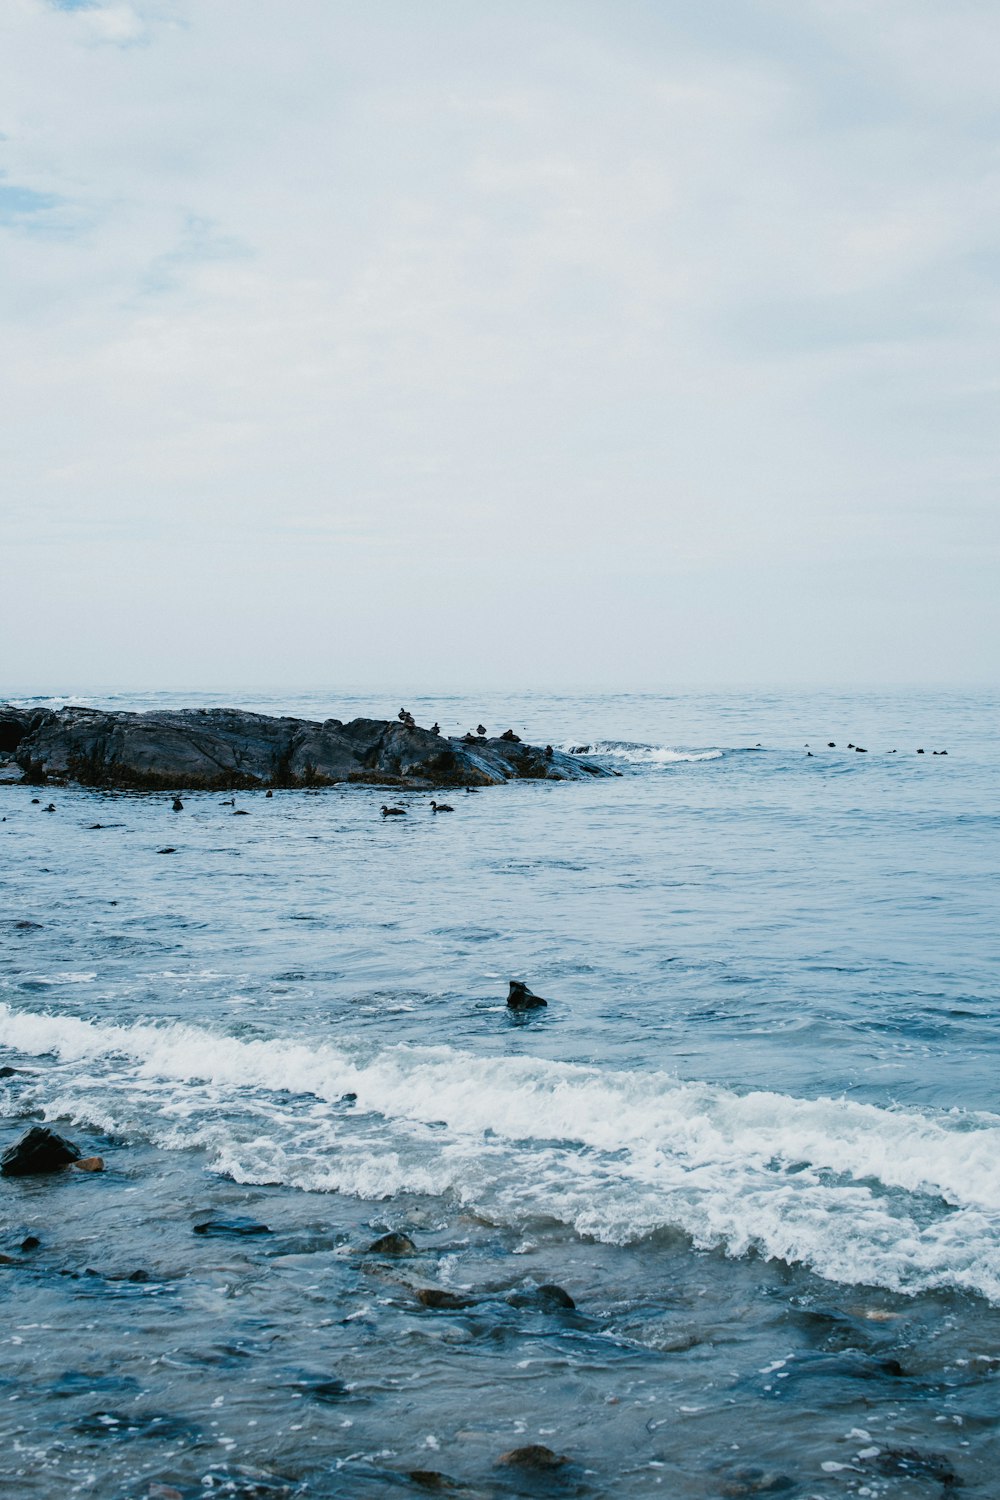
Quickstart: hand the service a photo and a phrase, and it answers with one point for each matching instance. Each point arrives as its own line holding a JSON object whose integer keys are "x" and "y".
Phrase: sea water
{"x": 755, "y": 1134}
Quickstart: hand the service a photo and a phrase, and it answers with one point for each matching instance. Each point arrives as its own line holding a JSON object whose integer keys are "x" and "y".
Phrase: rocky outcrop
{"x": 41, "y": 1150}
{"x": 219, "y": 748}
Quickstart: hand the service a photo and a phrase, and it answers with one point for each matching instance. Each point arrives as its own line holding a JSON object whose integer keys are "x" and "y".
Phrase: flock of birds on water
{"x": 405, "y": 717}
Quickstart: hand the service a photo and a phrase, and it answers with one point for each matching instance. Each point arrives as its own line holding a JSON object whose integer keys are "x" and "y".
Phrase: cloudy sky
{"x": 551, "y": 343}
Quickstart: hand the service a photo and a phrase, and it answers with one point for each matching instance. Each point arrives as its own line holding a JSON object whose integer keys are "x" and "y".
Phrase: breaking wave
{"x": 902, "y": 1198}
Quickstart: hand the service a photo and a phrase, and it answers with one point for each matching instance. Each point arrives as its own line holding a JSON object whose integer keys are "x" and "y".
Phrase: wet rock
{"x": 229, "y": 748}
{"x": 395, "y": 1243}
{"x": 330, "y": 1392}
{"x": 41, "y": 1150}
{"x": 547, "y": 1298}
{"x": 89, "y": 1164}
{"x": 519, "y": 996}
{"x": 30, "y": 1242}
{"x": 430, "y": 1479}
{"x": 239, "y": 1227}
{"x": 743, "y": 1483}
{"x": 8, "y": 1072}
{"x": 896, "y": 1462}
{"x": 535, "y": 1458}
{"x": 435, "y": 1296}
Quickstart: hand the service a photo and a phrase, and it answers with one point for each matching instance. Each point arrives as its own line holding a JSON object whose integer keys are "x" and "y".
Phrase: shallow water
{"x": 754, "y": 1135}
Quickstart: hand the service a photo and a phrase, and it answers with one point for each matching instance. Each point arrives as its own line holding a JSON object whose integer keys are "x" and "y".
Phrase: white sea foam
{"x": 905, "y": 1198}
{"x": 643, "y": 755}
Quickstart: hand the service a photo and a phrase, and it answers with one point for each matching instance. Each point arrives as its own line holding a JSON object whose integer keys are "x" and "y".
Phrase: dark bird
{"x": 178, "y": 805}
{"x": 509, "y": 734}
{"x": 231, "y": 802}
{"x": 849, "y": 745}
{"x": 548, "y": 752}
{"x": 861, "y": 750}
{"x": 521, "y": 998}
{"x": 269, "y": 793}
{"x": 831, "y": 744}
{"x": 435, "y": 727}
{"x": 405, "y": 717}
{"x": 241, "y": 812}
{"x": 920, "y": 752}
{"x": 480, "y": 729}
{"x": 51, "y": 807}
{"x": 441, "y": 807}
{"x": 393, "y": 812}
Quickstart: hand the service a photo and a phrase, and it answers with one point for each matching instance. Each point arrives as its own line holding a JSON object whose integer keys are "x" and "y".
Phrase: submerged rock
{"x": 435, "y": 1296}
{"x": 395, "y": 1243}
{"x": 41, "y": 1150}
{"x": 548, "y": 1298}
{"x": 534, "y": 1457}
{"x": 231, "y": 1226}
{"x": 231, "y": 748}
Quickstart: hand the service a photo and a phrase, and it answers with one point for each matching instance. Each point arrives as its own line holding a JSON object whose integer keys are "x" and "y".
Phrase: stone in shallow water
{"x": 41, "y": 1150}
{"x": 392, "y": 1244}
{"x": 231, "y": 1226}
{"x": 534, "y": 1457}
{"x": 435, "y": 1296}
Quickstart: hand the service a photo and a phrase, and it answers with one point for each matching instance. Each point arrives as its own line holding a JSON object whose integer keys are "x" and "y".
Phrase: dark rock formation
{"x": 394, "y": 1243}
{"x": 521, "y": 998}
{"x": 41, "y": 1150}
{"x": 436, "y": 1296}
{"x": 216, "y": 1227}
{"x": 228, "y": 748}
{"x": 534, "y": 1457}
{"x": 547, "y": 1298}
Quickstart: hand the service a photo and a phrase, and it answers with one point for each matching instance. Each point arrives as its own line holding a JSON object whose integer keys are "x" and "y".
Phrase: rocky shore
{"x": 217, "y": 748}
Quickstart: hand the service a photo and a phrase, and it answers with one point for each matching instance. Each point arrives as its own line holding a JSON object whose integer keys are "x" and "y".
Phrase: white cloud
{"x": 410, "y": 295}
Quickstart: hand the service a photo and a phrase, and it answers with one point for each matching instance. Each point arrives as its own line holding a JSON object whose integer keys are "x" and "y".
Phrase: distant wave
{"x": 638, "y": 754}
{"x": 903, "y": 1198}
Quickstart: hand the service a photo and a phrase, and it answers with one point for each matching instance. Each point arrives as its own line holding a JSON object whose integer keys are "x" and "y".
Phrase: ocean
{"x": 753, "y": 1141}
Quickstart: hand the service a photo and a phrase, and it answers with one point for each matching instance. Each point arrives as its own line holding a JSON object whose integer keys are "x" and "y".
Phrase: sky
{"x": 549, "y": 344}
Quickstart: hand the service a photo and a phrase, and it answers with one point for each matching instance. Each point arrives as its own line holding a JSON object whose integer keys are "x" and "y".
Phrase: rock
{"x": 89, "y": 1164}
{"x": 430, "y": 1479}
{"x": 41, "y": 1150}
{"x": 521, "y": 998}
{"x": 547, "y": 1298}
{"x": 435, "y": 1296}
{"x": 229, "y": 748}
{"x": 231, "y": 1226}
{"x": 535, "y": 1457}
{"x": 30, "y": 1242}
{"x": 549, "y": 1292}
{"x": 392, "y": 1244}
{"x": 8, "y": 1072}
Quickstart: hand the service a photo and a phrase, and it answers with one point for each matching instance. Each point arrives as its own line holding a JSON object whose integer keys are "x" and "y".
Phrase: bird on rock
{"x": 480, "y": 729}
{"x": 521, "y": 998}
